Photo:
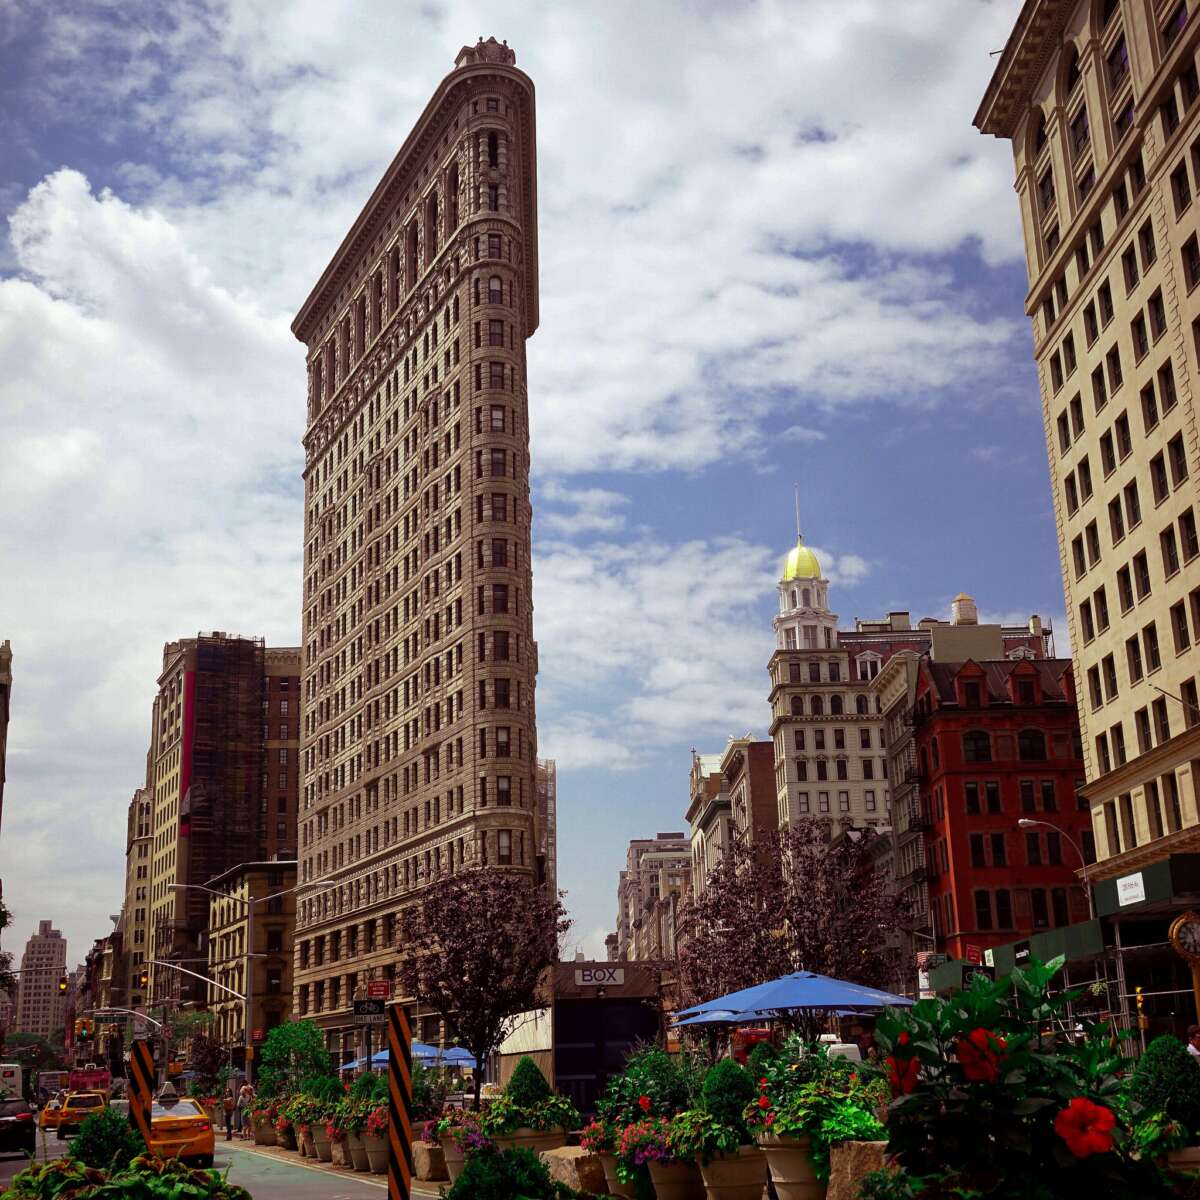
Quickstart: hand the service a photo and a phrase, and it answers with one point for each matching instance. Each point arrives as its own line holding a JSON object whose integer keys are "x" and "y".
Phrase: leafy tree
{"x": 8, "y": 981}
{"x": 1167, "y": 1080}
{"x": 472, "y": 947}
{"x": 794, "y": 902}
{"x": 37, "y": 1052}
{"x": 208, "y": 1059}
{"x": 293, "y": 1051}
{"x": 186, "y": 1025}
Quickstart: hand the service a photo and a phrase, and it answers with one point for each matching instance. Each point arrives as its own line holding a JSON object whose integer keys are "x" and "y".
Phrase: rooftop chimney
{"x": 963, "y": 611}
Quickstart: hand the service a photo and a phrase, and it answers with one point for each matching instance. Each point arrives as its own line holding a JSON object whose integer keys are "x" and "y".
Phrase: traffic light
{"x": 84, "y": 1029}
{"x": 1143, "y": 1020}
{"x": 62, "y": 985}
{"x": 143, "y": 980}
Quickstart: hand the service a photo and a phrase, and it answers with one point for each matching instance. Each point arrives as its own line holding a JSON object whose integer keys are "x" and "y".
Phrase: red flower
{"x": 1085, "y": 1127}
{"x": 762, "y": 1083}
{"x": 979, "y": 1054}
{"x": 644, "y": 1103}
{"x": 902, "y": 1075}
{"x": 902, "y": 1040}
{"x": 764, "y": 1102}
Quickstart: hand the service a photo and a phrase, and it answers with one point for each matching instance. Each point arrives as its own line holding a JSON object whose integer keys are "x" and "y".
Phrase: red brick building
{"x": 997, "y": 743}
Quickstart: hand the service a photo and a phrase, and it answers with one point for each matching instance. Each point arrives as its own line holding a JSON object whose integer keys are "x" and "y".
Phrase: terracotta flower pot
{"x": 627, "y": 1191}
{"x": 454, "y": 1158}
{"x": 264, "y": 1134}
{"x": 320, "y": 1140}
{"x": 738, "y": 1176}
{"x": 677, "y": 1181}
{"x": 286, "y": 1138}
{"x": 536, "y": 1140}
{"x": 791, "y": 1165}
{"x": 358, "y": 1152}
{"x": 1185, "y": 1161}
{"x": 308, "y": 1141}
{"x": 377, "y": 1153}
{"x": 341, "y": 1154}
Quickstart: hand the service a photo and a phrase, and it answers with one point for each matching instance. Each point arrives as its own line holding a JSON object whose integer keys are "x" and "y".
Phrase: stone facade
{"x": 1100, "y": 102}
{"x": 648, "y": 892}
{"x": 44, "y": 962}
{"x": 135, "y": 912}
{"x": 420, "y": 744}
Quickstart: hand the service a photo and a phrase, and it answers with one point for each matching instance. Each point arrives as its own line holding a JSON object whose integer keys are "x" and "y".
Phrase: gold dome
{"x": 801, "y": 563}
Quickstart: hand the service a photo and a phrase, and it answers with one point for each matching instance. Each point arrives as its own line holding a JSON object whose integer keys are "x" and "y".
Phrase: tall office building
{"x": 1100, "y": 102}
{"x": 223, "y": 789}
{"x": 135, "y": 911}
{"x": 44, "y": 963}
{"x": 420, "y": 750}
{"x": 826, "y": 722}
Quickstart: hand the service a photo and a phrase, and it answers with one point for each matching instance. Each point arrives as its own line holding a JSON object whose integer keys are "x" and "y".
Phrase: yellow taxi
{"x": 180, "y": 1128}
{"x": 51, "y": 1113}
{"x": 76, "y": 1109}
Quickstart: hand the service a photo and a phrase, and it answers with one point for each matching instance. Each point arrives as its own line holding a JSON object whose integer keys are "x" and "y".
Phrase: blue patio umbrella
{"x": 801, "y": 990}
{"x": 353, "y": 1065}
{"x": 456, "y": 1056}
{"x": 722, "y": 1016}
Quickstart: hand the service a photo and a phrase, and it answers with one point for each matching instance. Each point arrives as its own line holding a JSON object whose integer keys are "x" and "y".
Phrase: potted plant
{"x": 648, "y": 1143}
{"x": 529, "y": 1113}
{"x": 460, "y": 1133}
{"x": 999, "y": 1092}
{"x": 806, "y": 1103}
{"x": 600, "y": 1137}
{"x": 285, "y": 1131}
{"x": 1164, "y": 1092}
{"x": 716, "y": 1135}
{"x": 375, "y": 1139}
{"x": 353, "y": 1120}
{"x": 262, "y": 1118}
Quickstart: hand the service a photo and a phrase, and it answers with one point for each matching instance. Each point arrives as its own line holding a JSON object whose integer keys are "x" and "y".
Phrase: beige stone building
{"x": 251, "y": 931}
{"x": 44, "y": 962}
{"x": 709, "y": 817}
{"x": 648, "y": 894}
{"x": 224, "y": 783}
{"x": 135, "y": 911}
{"x": 420, "y": 744}
{"x": 1100, "y": 101}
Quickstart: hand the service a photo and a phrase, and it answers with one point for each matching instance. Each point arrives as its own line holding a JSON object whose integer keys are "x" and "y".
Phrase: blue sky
{"x": 773, "y": 251}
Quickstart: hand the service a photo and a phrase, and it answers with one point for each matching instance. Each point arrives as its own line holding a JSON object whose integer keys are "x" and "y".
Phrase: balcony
{"x": 917, "y": 818}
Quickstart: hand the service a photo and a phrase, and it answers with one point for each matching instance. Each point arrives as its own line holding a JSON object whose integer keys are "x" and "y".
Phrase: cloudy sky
{"x": 774, "y": 251}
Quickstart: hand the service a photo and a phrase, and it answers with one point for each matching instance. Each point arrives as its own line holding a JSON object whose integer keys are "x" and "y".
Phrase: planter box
{"x": 626, "y": 1191}
{"x": 264, "y": 1134}
{"x": 320, "y": 1141}
{"x": 740, "y": 1176}
{"x": 453, "y": 1157}
{"x": 849, "y": 1162}
{"x": 377, "y": 1153}
{"x": 341, "y": 1154}
{"x": 429, "y": 1160}
{"x": 1185, "y": 1161}
{"x": 791, "y": 1165}
{"x": 578, "y": 1169}
{"x": 358, "y": 1152}
{"x": 307, "y": 1141}
{"x": 677, "y": 1181}
{"x": 536, "y": 1140}
{"x": 286, "y": 1138}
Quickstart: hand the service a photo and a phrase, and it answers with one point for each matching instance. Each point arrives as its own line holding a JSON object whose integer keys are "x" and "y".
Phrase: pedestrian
{"x": 1193, "y": 1041}
{"x": 244, "y": 1102}
{"x": 229, "y": 1104}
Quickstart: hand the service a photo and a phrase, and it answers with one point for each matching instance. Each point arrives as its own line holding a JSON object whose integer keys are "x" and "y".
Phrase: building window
{"x": 1031, "y": 745}
{"x": 977, "y": 747}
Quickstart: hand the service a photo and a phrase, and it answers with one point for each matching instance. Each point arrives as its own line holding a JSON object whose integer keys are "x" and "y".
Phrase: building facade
{"x": 1099, "y": 100}
{"x": 43, "y": 964}
{"x": 709, "y": 817}
{"x": 420, "y": 744}
{"x": 224, "y": 781}
{"x": 251, "y": 931}
{"x": 135, "y": 911}
{"x": 826, "y": 724}
{"x": 648, "y": 893}
{"x": 999, "y": 744}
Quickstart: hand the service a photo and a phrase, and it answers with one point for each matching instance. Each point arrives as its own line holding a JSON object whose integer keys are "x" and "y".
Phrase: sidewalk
{"x": 292, "y": 1159}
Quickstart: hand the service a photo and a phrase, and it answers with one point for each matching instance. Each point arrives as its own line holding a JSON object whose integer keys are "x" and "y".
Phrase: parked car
{"x": 18, "y": 1127}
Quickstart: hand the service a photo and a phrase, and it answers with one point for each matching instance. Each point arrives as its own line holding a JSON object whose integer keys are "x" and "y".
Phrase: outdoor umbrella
{"x": 801, "y": 990}
{"x": 352, "y": 1065}
{"x": 456, "y": 1056}
{"x": 721, "y": 1016}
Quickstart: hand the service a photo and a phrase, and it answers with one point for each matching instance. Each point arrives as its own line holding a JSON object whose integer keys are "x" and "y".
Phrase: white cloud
{"x": 568, "y": 511}
{"x": 801, "y": 433}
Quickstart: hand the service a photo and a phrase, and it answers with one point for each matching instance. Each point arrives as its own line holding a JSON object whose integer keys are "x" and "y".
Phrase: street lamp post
{"x": 1029, "y": 823}
{"x": 248, "y": 954}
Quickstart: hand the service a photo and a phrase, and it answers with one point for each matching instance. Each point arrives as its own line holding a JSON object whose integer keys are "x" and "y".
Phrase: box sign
{"x": 599, "y": 976}
{"x": 1131, "y": 889}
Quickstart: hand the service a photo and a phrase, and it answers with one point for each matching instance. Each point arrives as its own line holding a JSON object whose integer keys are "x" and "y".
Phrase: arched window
{"x": 452, "y": 198}
{"x": 797, "y": 706}
{"x": 1039, "y": 133}
{"x": 807, "y": 597}
{"x": 860, "y": 705}
{"x": 493, "y": 149}
{"x": 835, "y": 706}
{"x": 495, "y": 290}
{"x": 793, "y": 597}
{"x": 818, "y": 706}
{"x": 1073, "y": 73}
{"x": 1031, "y": 745}
{"x": 977, "y": 746}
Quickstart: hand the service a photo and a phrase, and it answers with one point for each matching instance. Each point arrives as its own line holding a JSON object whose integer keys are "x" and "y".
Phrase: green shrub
{"x": 726, "y": 1091}
{"x": 430, "y": 1088}
{"x": 671, "y": 1083}
{"x": 325, "y": 1089}
{"x": 759, "y": 1058}
{"x": 106, "y": 1140}
{"x": 528, "y": 1086}
{"x": 143, "y": 1179}
{"x": 1167, "y": 1080}
{"x": 488, "y": 1175}
{"x": 374, "y": 1088}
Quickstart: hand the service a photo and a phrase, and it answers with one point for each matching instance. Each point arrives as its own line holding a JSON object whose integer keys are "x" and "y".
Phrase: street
{"x": 264, "y": 1177}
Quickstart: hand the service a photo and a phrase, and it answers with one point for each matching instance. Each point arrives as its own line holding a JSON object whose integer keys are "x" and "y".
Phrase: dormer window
{"x": 971, "y": 694}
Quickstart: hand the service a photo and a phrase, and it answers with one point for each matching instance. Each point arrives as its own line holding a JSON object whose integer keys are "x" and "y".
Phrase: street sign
{"x": 257, "y": 1035}
{"x": 988, "y": 973}
{"x": 370, "y": 1012}
{"x": 973, "y": 954}
{"x": 599, "y": 976}
{"x": 378, "y": 989}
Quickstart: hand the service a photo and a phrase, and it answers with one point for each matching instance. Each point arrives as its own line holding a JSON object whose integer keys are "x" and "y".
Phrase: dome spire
{"x": 801, "y": 562}
{"x": 796, "y": 490}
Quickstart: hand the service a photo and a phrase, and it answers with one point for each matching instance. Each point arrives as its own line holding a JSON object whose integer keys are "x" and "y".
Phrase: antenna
{"x": 796, "y": 490}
